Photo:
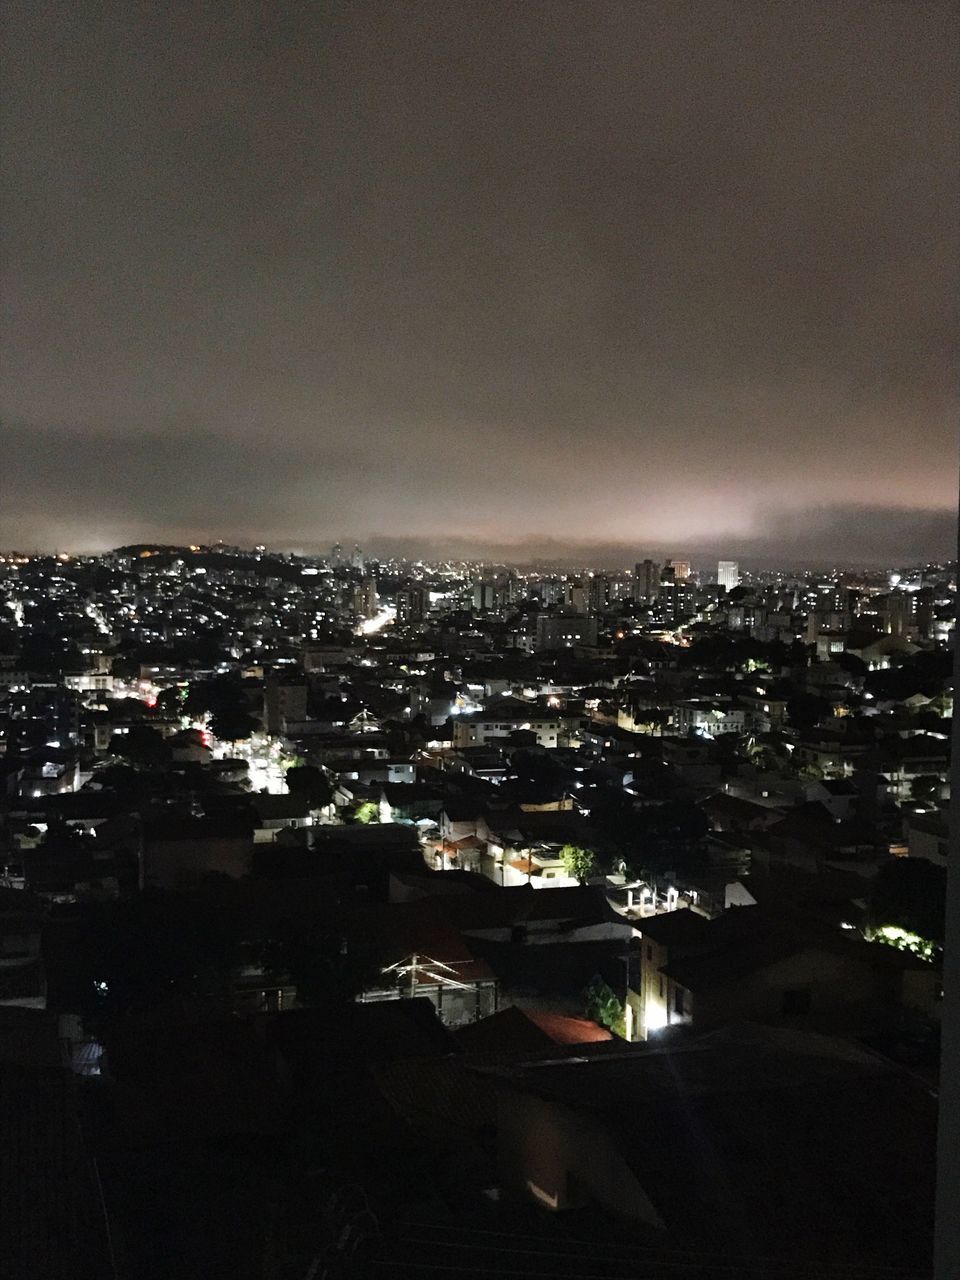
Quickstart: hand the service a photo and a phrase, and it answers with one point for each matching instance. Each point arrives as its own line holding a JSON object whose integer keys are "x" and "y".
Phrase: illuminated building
{"x": 412, "y": 605}
{"x": 563, "y": 631}
{"x": 646, "y": 581}
{"x": 365, "y": 598}
{"x": 728, "y": 574}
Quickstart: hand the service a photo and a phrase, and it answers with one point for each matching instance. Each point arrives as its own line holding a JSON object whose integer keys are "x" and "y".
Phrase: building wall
{"x": 561, "y": 1160}
{"x": 563, "y": 632}
{"x": 470, "y": 731}
{"x": 853, "y": 993}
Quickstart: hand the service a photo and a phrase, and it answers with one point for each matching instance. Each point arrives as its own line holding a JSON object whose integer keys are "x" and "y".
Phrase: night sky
{"x": 597, "y": 279}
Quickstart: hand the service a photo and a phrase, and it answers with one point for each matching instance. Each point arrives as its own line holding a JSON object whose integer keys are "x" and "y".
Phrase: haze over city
{"x": 482, "y": 279}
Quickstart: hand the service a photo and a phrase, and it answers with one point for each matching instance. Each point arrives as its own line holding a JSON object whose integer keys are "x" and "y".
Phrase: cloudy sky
{"x": 520, "y": 277}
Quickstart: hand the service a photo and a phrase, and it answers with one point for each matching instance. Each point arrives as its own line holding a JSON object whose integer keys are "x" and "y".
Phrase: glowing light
{"x": 654, "y": 1017}
{"x": 545, "y": 1197}
{"x": 370, "y": 626}
{"x": 904, "y": 940}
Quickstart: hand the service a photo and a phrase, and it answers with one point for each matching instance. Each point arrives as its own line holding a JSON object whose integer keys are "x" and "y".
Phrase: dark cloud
{"x": 870, "y": 537}
{"x": 650, "y": 274}
{"x": 94, "y": 492}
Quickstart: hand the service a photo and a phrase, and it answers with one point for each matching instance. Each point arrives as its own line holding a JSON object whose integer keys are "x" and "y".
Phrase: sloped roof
{"x": 522, "y": 1030}
{"x": 676, "y": 928}
{"x": 758, "y": 1143}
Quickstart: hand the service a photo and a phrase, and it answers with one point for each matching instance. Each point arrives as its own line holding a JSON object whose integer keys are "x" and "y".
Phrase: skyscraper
{"x": 646, "y": 581}
{"x": 365, "y": 598}
{"x": 728, "y": 574}
{"x": 412, "y": 604}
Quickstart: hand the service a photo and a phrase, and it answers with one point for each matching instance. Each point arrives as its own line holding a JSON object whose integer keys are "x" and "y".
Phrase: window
{"x": 661, "y": 988}
{"x": 649, "y": 952}
{"x": 678, "y": 1001}
{"x": 796, "y": 1003}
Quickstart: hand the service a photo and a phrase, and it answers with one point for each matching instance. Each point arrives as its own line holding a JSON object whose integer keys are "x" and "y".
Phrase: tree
{"x": 810, "y": 773}
{"x": 602, "y": 1004}
{"x": 909, "y": 894}
{"x": 231, "y": 724}
{"x": 806, "y": 710}
{"x": 141, "y": 745}
{"x": 367, "y": 812}
{"x": 654, "y": 720}
{"x": 172, "y": 700}
{"x": 325, "y": 966}
{"x": 134, "y": 785}
{"x": 307, "y": 780}
{"x": 578, "y": 862}
{"x": 535, "y": 767}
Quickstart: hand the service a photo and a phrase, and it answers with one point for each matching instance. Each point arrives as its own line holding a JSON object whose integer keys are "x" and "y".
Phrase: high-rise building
{"x": 489, "y": 597}
{"x": 676, "y": 597}
{"x": 599, "y": 593}
{"x": 412, "y": 605}
{"x": 365, "y": 598}
{"x": 646, "y": 581}
{"x": 681, "y": 569}
{"x": 577, "y": 597}
{"x": 565, "y": 630}
{"x": 358, "y": 561}
{"x": 728, "y": 574}
{"x": 336, "y": 555}
{"x": 898, "y": 611}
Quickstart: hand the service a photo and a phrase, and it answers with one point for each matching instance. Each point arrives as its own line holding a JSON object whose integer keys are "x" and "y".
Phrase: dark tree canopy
{"x": 141, "y": 745}
{"x": 807, "y": 710}
{"x": 911, "y": 894}
{"x": 307, "y": 780}
{"x": 233, "y": 724}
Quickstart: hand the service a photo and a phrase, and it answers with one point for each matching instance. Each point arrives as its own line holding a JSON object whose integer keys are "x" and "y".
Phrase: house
{"x": 708, "y": 718}
{"x": 764, "y": 711}
{"x": 735, "y": 814}
{"x": 580, "y": 913}
{"x": 410, "y": 801}
{"x": 833, "y": 753}
{"x": 767, "y": 1151}
{"x": 839, "y": 796}
{"x": 747, "y": 963}
{"x": 501, "y": 719}
{"x": 809, "y": 838}
{"x": 516, "y": 1030}
{"x": 902, "y": 760}
{"x": 274, "y": 813}
{"x": 525, "y": 848}
{"x": 928, "y": 836}
{"x": 190, "y": 746}
{"x": 417, "y": 952}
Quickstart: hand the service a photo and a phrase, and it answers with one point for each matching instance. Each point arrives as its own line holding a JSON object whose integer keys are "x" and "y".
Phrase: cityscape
{"x": 478, "y": 591}
{"x": 349, "y": 880}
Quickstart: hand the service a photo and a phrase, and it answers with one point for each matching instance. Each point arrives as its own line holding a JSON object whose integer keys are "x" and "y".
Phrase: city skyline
{"x": 640, "y": 277}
